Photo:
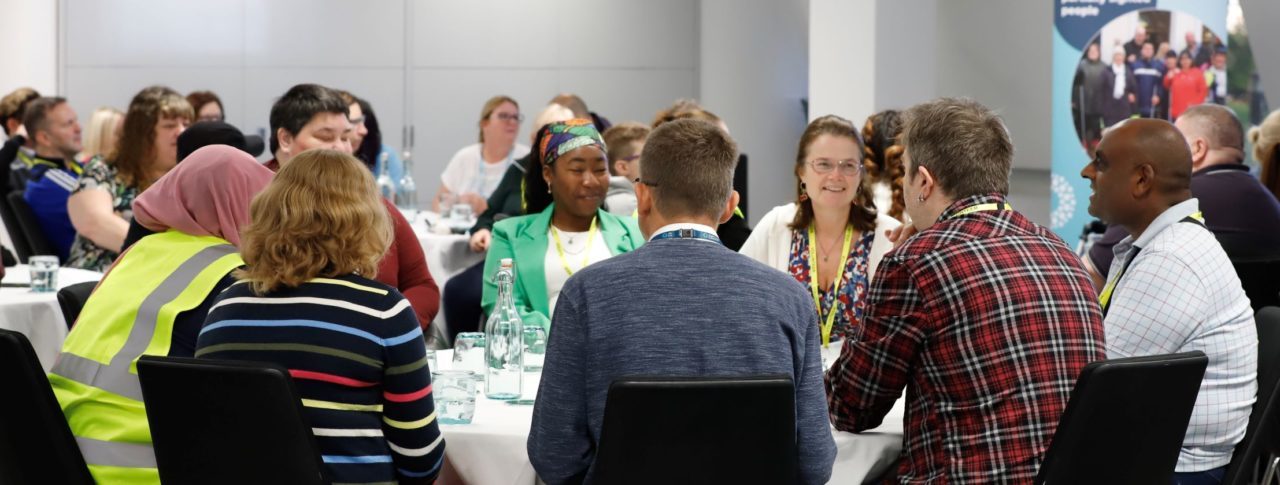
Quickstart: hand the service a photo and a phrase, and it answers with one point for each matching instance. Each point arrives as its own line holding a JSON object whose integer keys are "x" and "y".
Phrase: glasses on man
{"x": 509, "y": 117}
{"x": 217, "y": 118}
{"x": 848, "y": 167}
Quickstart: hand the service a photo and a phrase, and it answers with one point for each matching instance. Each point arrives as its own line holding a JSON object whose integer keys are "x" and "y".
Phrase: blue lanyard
{"x": 688, "y": 234}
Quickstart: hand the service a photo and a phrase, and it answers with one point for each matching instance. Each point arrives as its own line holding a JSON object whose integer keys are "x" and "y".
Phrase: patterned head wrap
{"x": 563, "y": 137}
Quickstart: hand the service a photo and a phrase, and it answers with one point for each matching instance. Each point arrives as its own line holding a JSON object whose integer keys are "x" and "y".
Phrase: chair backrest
{"x": 36, "y": 446}
{"x": 1125, "y": 421}
{"x": 16, "y": 234}
{"x": 72, "y": 298}
{"x": 1262, "y": 436}
{"x": 1261, "y": 282}
{"x": 247, "y": 415}
{"x": 702, "y": 430}
{"x": 30, "y": 226}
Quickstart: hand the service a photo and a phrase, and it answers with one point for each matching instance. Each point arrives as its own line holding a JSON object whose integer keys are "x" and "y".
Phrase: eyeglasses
{"x": 509, "y": 117}
{"x": 848, "y": 167}
{"x": 637, "y": 181}
{"x": 210, "y": 118}
{"x": 630, "y": 158}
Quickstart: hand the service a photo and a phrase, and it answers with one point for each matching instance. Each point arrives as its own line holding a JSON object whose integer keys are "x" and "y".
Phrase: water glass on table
{"x": 468, "y": 353}
{"x": 535, "y": 348}
{"x": 455, "y": 395}
{"x": 44, "y": 273}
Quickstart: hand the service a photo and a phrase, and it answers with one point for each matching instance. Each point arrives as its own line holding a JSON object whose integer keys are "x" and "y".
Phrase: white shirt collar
{"x": 1169, "y": 217}
{"x": 683, "y": 225}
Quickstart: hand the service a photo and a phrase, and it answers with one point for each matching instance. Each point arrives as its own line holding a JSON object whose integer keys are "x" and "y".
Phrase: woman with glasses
{"x": 476, "y": 169}
{"x": 830, "y": 239}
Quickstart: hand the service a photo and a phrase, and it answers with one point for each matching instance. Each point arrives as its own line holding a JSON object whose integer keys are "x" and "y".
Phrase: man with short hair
{"x": 580, "y": 110}
{"x": 1198, "y": 51}
{"x": 1217, "y": 78}
{"x": 985, "y": 317}
{"x": 625, "y": 142}
{"x": 1134, "y": 47}
{"x": 662, "y": 310}
{"x": 17, "y": 154}
{"x": 52, "y": 125}
{"x": 1172, "y": 288}
{"x": 1148, "y": 73}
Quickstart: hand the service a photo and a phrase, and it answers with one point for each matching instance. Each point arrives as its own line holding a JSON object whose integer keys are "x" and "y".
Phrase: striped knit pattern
{"x": 358, "y": 358}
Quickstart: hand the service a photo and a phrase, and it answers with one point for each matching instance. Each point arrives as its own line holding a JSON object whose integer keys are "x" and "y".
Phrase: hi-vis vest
{"x": 131, "y": 314}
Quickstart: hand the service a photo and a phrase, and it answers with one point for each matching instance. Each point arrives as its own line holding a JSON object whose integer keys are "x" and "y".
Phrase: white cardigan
{"x": 770, "y": 241}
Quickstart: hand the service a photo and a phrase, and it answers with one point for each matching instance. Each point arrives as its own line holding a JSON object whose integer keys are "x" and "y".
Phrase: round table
{"x": 37, "y": 315}
{"x": 447, "y": 255}
{"x": 492, "y": 449}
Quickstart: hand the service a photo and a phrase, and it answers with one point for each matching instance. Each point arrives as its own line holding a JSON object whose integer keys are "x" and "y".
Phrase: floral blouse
{"x": 98, "y": 174}
{"x": 850, "y": 296}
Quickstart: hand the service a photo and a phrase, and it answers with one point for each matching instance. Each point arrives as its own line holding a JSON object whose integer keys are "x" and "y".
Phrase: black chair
{"x": 30, "y": 226}
{"x": 72, "y": 298}
{"x": 16, "y": 234}
{"x": 36, "y": 446}
{"x": 247, "y": 415}
{"x": 1262, "y": 436}
{"x": 692, "y": 430}
{"x": 1261, "y": 282}
{"x": 1125, "y": 421}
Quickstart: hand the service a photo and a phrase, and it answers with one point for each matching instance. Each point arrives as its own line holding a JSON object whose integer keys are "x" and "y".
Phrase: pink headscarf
{"x": 208, "y": 194}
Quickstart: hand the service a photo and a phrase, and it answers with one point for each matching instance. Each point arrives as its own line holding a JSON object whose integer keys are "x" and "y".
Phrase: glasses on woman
{"x": 509, "y": 117}
{"x": 848, "y": 167}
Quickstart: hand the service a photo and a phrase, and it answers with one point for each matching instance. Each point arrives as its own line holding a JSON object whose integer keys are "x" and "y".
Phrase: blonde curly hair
{"x": 1266, "y": 150}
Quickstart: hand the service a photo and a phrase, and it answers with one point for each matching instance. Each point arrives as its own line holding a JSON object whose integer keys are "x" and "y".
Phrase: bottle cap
{"x": 506, "y": 262}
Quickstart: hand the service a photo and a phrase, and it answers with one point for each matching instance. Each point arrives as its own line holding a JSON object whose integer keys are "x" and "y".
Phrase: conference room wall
{"x": 430, "y": 63}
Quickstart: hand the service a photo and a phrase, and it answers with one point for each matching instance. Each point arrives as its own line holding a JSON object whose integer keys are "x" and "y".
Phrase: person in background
{"x": 1148, "y": 72}
{"x": 1199, "y": 53}
{"x": 580, "y": 110}
{"x": 985, "y": 317}
{"x": 311, "y": 116}
{"x": 882, "y": 159}
{"x": 463, "y": 292}
{"x": 1170, "y": 65}
{"x": 831, "y": 239}
{"x": 566, "y": 229}
{"x": 1186, "y": 86}
{"x": 352, "y": 344}
{"x": 366, "y": 139}
{"x": 1087, "y": 95}
{"x": 1216, "y": 77}
{"x": 153, "y": 301}
{"x": 207, "y": 106}
{"x": 102, "y": 203}
{"x": 1133, "y": 48}
{"x": 1265, "y": 139}
{"x": 475, "y": 170}
{"x": 1119, "y": 90}
{"x": 103, "y": 133}
{"x": 625, "y": 142}
{"x": 53, "y": 126}
{"x": 1172, "y": 288}
{"x": 666, "y": 308}
{"x": 17, "y": 154}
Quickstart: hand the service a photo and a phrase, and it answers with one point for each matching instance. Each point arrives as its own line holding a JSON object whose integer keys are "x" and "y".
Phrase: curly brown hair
{"x": 882, "y": 156}
{"x": 135, "y": 150}
{"x": 862, "y": 215}
{"x": 320, "y": 217}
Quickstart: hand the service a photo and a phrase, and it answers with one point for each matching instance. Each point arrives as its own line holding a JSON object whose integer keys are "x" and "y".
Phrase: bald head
{"x": 1156, "y": 143}
{"x": 574, "y": 103}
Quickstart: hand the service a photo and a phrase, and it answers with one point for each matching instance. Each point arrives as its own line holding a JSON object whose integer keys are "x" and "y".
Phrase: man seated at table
{"x": 52, "y": 125}
{"x": 1171, "y": 287}
{"x": 984, "y": 316}
{"x": 664, "y": 310}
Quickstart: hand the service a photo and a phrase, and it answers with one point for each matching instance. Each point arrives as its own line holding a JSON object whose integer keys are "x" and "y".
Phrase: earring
{"x": 548, "y": 188}
{"x": 919, "y": 198}
{"x": 804, "y": 192}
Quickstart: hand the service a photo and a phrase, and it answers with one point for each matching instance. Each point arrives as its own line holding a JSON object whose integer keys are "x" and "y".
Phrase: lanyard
{"x": 1105, "y": 297}
{"x": 586, "y": 255}
{"x": 835, "y": 286}
{"x": 982, "y": 208}
{"x": 688, "y": 234}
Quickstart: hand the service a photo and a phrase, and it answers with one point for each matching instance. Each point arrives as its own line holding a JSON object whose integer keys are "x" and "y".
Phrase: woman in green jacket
{"x": 566, "y": 230}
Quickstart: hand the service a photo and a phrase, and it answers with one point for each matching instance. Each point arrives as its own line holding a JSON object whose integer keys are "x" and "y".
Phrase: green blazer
{"x": 524, "y": 240}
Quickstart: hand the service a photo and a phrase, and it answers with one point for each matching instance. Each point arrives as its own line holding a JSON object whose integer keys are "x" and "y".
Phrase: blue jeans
{"x": 1207, "y": 477}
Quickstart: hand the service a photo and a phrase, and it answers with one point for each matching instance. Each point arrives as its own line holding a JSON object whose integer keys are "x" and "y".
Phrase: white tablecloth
{"x": 447, "y": 255}
{"x": 37, "y": 315}
{"x": 492, "y": 449}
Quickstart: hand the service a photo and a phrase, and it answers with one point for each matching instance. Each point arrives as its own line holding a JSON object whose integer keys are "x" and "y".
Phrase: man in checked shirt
{"x": 983, "y": 316}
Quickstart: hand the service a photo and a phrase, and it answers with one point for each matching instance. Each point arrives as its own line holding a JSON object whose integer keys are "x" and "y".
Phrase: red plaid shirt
{"x": 987, "y": 319}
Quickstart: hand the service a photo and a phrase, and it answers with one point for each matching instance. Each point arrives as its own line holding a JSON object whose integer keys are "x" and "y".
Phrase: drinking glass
{"x": 44, "y": 273}
{"x": 455, "y": 395}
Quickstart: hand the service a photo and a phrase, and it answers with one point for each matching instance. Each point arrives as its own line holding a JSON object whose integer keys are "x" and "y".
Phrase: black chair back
{"x": 1125, "y": 421}
{"x": 36, "y": 446}
{"x": 740, "y": 181}
{"x": 1261, "y": 282}
{"x": 1262, "y": 437}
{"x": 72, "y": 298}
{"x": 693, "y": 430}
{"x": 247, "y": 415}
{"x": 30, "y": 226}
{"x": 16, "y": 234}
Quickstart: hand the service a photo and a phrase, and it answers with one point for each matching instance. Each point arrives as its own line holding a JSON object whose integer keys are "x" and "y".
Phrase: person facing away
{"x": 665, "y": 309}
{"x": 1171, "y": 287}
{"x": 306, "y": 300}
{"x": 984, "y": 317}
{"x": 153, "y": 301}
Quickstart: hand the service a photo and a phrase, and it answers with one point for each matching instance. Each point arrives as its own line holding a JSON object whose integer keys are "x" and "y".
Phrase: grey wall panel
{"x": 138, "y": 33}
{"x": 324, "y": 33}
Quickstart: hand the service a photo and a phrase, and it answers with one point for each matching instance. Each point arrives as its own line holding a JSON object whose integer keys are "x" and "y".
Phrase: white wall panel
{"x": 484, "y": 33}
{"x": 324, "y": 33}
{"x": 154, "y": 33}
{"x": 625, "y": 33}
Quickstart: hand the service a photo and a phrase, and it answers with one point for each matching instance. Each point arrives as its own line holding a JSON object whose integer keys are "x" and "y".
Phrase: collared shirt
{"x": 987, "y": 320}
{"x": 683, "y": 225}
{"x": 1181, "y": 294}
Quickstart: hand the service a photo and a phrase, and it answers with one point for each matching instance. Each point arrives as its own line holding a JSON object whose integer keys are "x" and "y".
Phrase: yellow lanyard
{"x": 586, "y": 255}
{"x": 835, "y": 286}
{"x": 1104, "y": 299}
{"x": 980, "y": 208}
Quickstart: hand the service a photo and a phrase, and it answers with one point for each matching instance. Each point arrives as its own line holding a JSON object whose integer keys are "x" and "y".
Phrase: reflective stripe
{"x": 115, "y": 377}
{"x": 107, "y": 453}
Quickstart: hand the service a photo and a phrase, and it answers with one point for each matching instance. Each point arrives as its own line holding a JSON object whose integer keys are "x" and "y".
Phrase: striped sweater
{"x": 358, "y": 358}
